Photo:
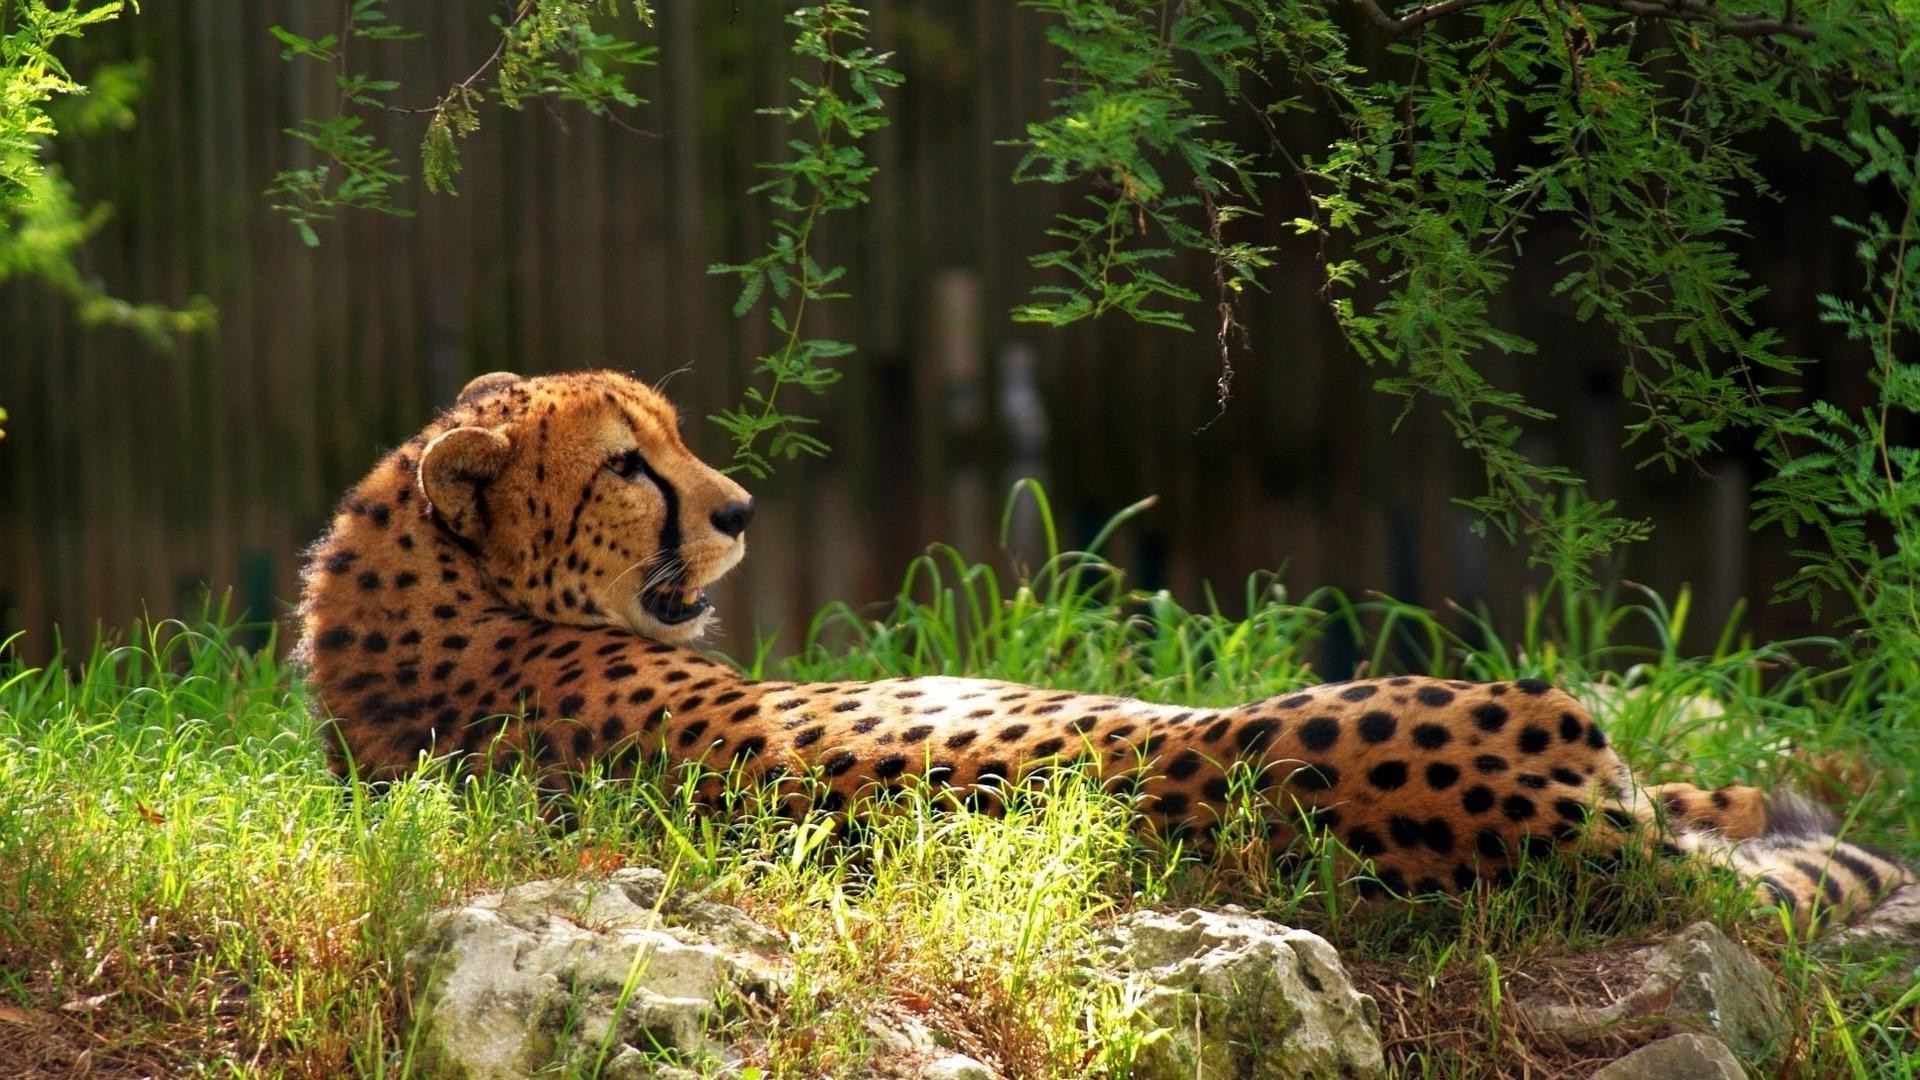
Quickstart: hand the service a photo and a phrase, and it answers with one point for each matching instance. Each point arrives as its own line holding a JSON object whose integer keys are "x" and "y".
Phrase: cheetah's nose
{"x": 732, "y": 518}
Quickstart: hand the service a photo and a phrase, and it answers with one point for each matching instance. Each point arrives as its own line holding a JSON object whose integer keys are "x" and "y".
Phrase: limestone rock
{"x": 956, "y": 1067}
{"x": 1678, "y": 1057}
{"x": 1698, "y": 978}
{"x": 1235, "y": 995}
{"x": 622, "y": 972}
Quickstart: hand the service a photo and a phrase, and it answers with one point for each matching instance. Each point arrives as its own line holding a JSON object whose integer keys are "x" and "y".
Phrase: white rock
{"x": 612, "y": 973}
{"x": 1678, "y": 1057}
{"x": 1698, "y": 977}
{"x": 957, "y": 1067}
{"x": 1239, "y": 996}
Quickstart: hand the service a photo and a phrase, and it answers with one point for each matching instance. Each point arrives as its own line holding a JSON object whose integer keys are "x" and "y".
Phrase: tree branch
{"x": 1735, "y": 24}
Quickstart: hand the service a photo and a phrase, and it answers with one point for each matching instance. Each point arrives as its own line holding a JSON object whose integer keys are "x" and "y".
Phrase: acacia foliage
{"x": 1463, "y": 129}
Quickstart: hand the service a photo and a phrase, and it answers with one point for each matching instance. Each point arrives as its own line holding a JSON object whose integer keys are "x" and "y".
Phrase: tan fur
{"x": 481, "y": 591}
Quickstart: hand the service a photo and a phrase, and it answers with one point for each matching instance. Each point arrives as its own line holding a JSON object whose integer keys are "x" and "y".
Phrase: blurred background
{"x": 133, "y": 481}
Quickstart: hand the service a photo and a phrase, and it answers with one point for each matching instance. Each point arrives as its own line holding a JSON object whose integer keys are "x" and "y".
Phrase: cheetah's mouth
{"x": 673, "y": 605}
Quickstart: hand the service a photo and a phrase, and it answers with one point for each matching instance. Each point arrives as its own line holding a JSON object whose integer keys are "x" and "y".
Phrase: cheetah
{"x": 525, "y": 579}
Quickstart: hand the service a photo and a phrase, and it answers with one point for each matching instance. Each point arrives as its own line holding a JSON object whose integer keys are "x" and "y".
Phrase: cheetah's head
{"x": 580, "y": 503}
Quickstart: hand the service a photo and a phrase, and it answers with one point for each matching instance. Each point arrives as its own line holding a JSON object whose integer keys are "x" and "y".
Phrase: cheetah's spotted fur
{"x": 520, "y": 578}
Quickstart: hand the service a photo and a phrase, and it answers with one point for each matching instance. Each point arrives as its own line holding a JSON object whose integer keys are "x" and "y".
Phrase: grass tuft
{"x": 184, "y": 887}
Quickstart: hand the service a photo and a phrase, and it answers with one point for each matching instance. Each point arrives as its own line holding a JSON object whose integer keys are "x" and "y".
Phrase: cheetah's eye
{"x": 626, "y": 466}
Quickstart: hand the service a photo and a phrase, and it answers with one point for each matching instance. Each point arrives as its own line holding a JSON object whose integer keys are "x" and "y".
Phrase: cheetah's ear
{"x": 455, "y": 469}
{"x": 492, "y": 380}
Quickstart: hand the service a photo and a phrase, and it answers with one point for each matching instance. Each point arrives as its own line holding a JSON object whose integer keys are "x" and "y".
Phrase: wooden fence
{"x": 130, "y": 480}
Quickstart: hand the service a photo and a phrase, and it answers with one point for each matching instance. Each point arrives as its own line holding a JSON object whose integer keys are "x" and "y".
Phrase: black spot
{"x": 1377, "y": 727}
{"x": 455, "y": 642}
{"x": 1463, "y": 876}
{"x": 744, "y": 712}
{"x": 375, "y": 642}
{"x": 1518, "y": 808}
{"x": 571, "y": 705}
{"x": 692, "y": 732}
{"x": 1434, "y": 696}
{"x": 866, "y": 724}
{"x": 1569, "y": 727}
{"x": 340, "y": 562}
{"x": 1185, "y": 764}
{"x": 1048, "y": 748}
{"x": 1360, "y": 692}
{"x": 1536, "y": 687}
{"x": 1317, "y": 734}
{"x": 411, "y": 637}
{"x": 444, "y": 611}
{"x": 841, "y": 762}
{"x": 890, "y": 766}
{"x": 1490, "y": 763}
{"x": 996, "y": 771}
{"x": 1406, "y": 831}
{"x": 1217, "y": 789}
{"x": 1595, "y": 737}
{"x": 582, "y": 742}
{"x": 1491, "y": 843}
{"x": 1364, "y": 841}
{"x": 369, "y": 580}
{"x": 1534, "y": 739}
{"x": 1571, "y": 810}
{"x": 1256, "y": 734}
{"x": 1428, "y": 885}
{"x": 1568, "y": 777}
{"x": 640, "y": 695}
{"x": 1618, "y": 818}
{"x": 916, "y": 733}
{"x": 1532, "y": 780}
{"x": 1431, "y": 736}
{"x": 1217, "y": 731}
{"x": 1011, "y": 732}
{"x": 443, "y": 669}
{"x": 939, "y": 772}
{"x": 1477, "y": 800}
{"x": 961, "y": 738}
{"x": 1320, "y": 777}
{"x": 1721, "y": 801}
{"x": 1388, "y": 775}
{"x": 613, "y": 727}
{"x": 749, "y": 747}
{"x": 809, "y": 736}
{"x": 1490, "y": 717}
{"x": 1394, "y": 881}
{"x": 1296, "y": 701}
{"x": 1437, "y": 834}
{"x": 1441, "y": 775}
{"x": 1171, "y": 805}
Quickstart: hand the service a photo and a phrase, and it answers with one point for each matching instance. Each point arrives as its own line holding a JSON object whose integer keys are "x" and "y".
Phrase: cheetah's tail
{"x": 1795, "y": 852}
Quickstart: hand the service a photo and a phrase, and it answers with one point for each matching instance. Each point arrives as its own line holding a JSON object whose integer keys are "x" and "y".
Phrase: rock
{"x": 1235, "y": 995}
{"x": 1678, "y": 1057}
{"x": 622, "y": 972}
{"x": 957, "y": 1067}
{"x": 1697, "y": 978}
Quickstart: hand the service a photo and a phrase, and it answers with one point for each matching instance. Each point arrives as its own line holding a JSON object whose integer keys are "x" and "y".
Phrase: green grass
{"x": 184, "y": 887}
